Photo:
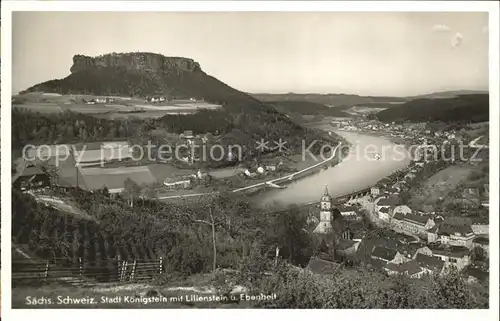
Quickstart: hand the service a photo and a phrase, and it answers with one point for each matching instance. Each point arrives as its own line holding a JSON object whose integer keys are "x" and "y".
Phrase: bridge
{"x": 349, "y": 197}
{"x": 273, "y": 183}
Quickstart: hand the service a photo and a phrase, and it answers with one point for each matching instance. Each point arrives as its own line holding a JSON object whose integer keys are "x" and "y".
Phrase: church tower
{"x": 325, "y": 214}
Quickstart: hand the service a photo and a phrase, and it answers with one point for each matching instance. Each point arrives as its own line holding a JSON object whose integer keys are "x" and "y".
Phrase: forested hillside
{"x": 464, "y": 108}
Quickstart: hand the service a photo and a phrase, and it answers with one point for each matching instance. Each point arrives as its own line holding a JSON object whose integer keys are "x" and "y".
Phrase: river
{"x": 359, "y": 170}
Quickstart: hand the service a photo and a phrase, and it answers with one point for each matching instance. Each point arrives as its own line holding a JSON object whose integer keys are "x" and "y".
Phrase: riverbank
{"x": 357, "y": 171}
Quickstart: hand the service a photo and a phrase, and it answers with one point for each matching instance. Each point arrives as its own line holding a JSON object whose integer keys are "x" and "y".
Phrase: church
{"x": 331, "y": 228}
{"x": 328, "y": 214}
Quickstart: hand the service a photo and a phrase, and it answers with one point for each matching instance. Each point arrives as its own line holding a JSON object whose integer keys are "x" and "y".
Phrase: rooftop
{"x": 451, "y": 229}
{"x": 429, "y": 262}
{"x": 417, "y": 219}
{"x": 344, "y": 208}
{"x": 477, "y": 273}
{"x": 482, "y": 240}
{"x": 384, "y": 253}
{"x": 453, "y": 251}
{"x": 33, "y": 170}
{"x": 320, "y": 266}
{"x": 87, "y": 146}
{"x": 344, "y": 244}
{"x": 384, "y": 202}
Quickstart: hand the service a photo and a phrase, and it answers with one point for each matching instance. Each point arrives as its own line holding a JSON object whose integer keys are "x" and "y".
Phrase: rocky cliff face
{"x": 137, "y": 61}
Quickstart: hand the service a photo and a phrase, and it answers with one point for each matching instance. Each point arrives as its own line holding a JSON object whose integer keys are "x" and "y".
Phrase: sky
{"x": 372, "y": 53}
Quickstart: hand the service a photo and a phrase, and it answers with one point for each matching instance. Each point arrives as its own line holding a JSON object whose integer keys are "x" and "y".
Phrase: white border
{"x": 9, "y": 6}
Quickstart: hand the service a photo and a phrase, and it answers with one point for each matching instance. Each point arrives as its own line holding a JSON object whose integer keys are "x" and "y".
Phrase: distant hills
{"x": 449, "y": 94}
{"x": 447, "y": 106}
{"x": 335, "y": 100}
{"x": 462, "y": 108}
{"x": 307, "y": 108}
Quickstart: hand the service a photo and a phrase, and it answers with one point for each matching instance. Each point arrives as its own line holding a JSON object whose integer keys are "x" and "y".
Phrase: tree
{"x": 289, "y": 233}
{"x": 478, "y": 254}
{"x": 49, "y": 169}
{"x": 452, "y": 291}
{"x": 211, "y": 212}
{"x": 132, "y": 190}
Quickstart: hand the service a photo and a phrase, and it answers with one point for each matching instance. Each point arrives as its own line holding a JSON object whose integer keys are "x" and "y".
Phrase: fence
{"x": 81, "y": 272}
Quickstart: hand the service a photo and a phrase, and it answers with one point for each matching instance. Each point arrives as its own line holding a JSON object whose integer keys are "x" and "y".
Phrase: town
{"x": 437, "y": 237}
{"x": 348, "y": 167}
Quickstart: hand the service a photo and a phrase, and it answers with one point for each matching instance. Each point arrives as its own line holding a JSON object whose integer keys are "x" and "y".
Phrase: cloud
{"x": 456, "y": 40}
{"x": 441, "y": 28}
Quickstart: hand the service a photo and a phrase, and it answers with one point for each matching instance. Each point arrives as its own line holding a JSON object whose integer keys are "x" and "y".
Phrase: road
{"x": 268, "y": 183}
{"x": 474, "y": 145}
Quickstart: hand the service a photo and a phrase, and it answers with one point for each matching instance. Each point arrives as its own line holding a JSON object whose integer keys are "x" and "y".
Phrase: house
{"x": 482, "y": 242}
{"x": 347, "y": 211}
{"x": 384, "y": 213}
{"x": 453, "y": 256}
{"x": 347, "y": 247}
{"x": 31, "y": 178}
{"x": 375, "y": 191}
{"x": 271, "y": 168}
{"x": 412, "y": 223}
{"x": 383, "y": 202}
{"x": 402, "y": 209}
{"x": 187, "y": 134}
{"x": 453, "y": 234}
{"x": 432, "y": 236}
{"x": 422, "y": 250}
{"x": 410, "y": 250}
{"x": 431, "y": 265}
{"x": 320, "y": 266}
{"x": 387, "y": 255}
{"x": 409, "y": 268}
{"x": 480, "y": 228}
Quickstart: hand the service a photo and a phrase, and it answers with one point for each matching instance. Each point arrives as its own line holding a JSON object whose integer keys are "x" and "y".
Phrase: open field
{"x": 122, "y": 107}
{"x": 450, "y": 176}
{"x": 45, "y": 108}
